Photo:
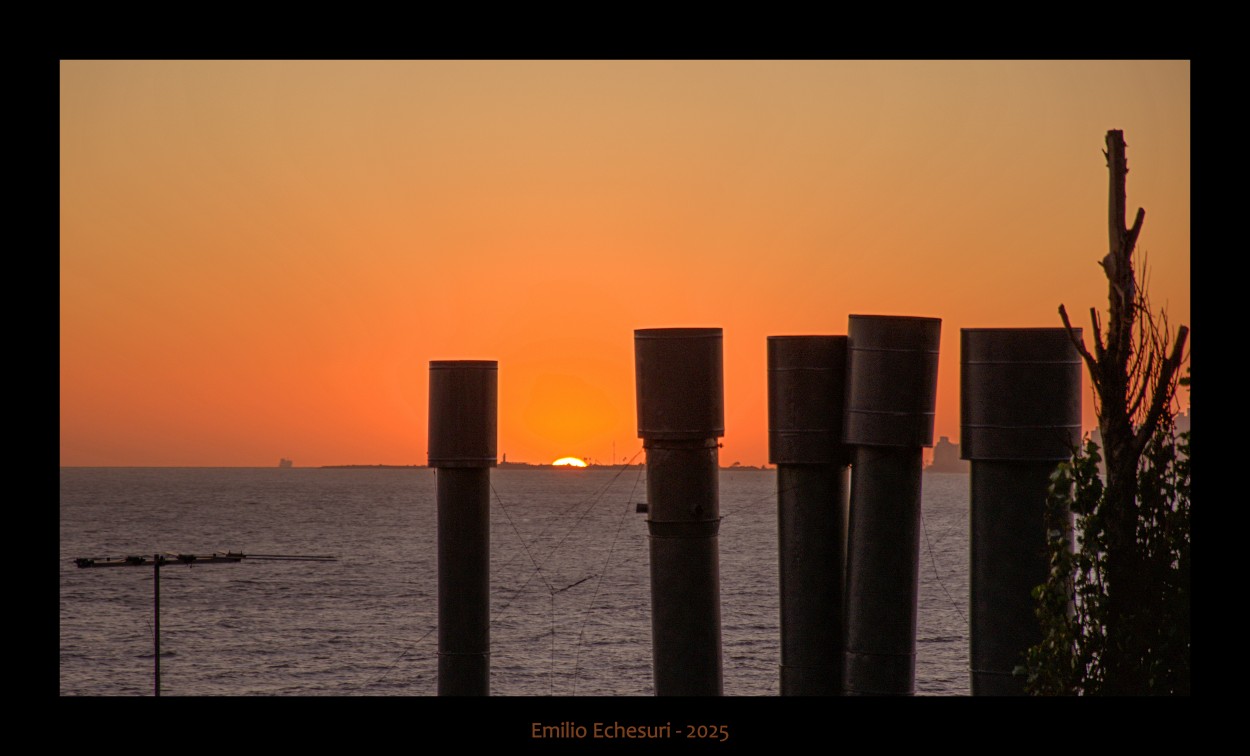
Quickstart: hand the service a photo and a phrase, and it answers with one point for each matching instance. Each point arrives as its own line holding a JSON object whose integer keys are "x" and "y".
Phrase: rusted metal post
{"x": 1020, "y": 416}
{"x": 680, "y": 395}
{"x": 890, "y": 398}
{"x": 462, "y": 447}
{"x": 806, "y": 397}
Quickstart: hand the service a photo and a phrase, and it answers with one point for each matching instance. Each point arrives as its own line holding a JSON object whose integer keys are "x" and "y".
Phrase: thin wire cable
{"x": 603, "y": 573}
{"x": 538, "y": 568}
{"x": 593, "y": 501}
{"x": 398, "y": 659}
{"x": 551, "y": 676}
{"x": 772, "y": 496}
{"x": 537, "y": 571}
{"x": 559, "y": 516}
{"x": 924, "y": 526}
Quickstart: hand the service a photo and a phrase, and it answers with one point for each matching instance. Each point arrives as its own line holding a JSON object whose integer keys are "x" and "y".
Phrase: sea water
{"x": 570, "y": 602}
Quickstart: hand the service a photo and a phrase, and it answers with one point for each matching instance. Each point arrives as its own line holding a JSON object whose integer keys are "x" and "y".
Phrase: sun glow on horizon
{"x": 568, "y": 462}
{"x": 257, "y": 259}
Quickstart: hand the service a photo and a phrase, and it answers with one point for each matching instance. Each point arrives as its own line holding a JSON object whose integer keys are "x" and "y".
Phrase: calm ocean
{"x": 578, "y": 625}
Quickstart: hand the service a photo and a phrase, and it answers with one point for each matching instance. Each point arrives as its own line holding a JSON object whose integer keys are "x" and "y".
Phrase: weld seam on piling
{"x": 895, "y": 349}
{"x": 891, "y": 413}
{"x": 684, "y": 528}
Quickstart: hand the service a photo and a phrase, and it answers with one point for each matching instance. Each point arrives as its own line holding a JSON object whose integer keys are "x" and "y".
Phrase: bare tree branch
{"x": 1130, "y": 240}
{"x": 1165, "y": 388}
{"x": 1080, "y": 345}
{"x": 1140, "y": 387}
{"x": 1099, "y": 349}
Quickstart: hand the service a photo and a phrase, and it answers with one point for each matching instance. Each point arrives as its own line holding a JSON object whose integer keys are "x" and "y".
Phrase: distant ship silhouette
{"x": 284, "y": 462}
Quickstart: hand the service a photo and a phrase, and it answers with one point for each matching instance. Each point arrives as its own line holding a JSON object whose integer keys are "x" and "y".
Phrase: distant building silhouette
{"x": 946, "y": 457}
{"x": 1182, "y": 422}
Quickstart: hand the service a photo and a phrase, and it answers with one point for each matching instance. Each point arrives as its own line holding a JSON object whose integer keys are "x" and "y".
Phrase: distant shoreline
{"x": 370, "y": 467}
{"x": 507, "y": 466}
{"x": 524, "y": 466}
{"x": 527, "y": 466}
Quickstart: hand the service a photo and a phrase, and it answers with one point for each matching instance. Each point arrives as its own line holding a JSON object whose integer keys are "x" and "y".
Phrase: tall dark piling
{"x": 1020, "y": 416}
{"x": 462, "y": 447}
{"x": 806, "y": 397}
{"x": 890, "y": 398}
{"x": 680, "y": 393}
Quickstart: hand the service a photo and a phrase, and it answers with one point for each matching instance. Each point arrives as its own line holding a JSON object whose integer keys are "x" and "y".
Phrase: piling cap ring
{"x": 463, "y": 413}
{"x": 679, "y": 383}
{"x": 891, "y": 392}
{"x": 1019, "y": 394}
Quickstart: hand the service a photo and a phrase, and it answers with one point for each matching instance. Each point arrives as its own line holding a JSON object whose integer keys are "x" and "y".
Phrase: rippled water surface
{"x": 365, "y": 624}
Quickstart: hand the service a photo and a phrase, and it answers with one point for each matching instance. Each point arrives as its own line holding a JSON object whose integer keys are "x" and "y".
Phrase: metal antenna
{"x": 158, "y": 560}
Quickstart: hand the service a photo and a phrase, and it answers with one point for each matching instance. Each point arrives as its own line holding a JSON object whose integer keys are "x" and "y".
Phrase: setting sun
{"x": 568, "y": 462}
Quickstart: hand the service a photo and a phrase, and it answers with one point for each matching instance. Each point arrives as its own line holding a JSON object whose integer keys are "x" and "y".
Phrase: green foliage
{"x": 1077, "y": 654}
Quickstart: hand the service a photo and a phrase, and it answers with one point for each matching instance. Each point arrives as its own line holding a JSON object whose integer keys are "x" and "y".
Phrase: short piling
{"x": 680, "y": 399}
{"x": 806, "y": 398}
{"x": 1020, "y": 416}
{"x": 462, "y": 449}
{"x": 890, "y": 399}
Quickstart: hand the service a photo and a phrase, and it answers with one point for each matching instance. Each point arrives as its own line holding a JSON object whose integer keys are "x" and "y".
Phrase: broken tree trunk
{"x": 1133, "y": 391}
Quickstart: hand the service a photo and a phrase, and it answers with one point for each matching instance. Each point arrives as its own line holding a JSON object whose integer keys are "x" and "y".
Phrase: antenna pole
{"x": 156, "y": 622}
{"x": 187, "y": 559}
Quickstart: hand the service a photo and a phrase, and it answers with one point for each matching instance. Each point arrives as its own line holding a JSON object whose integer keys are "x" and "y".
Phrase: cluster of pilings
{"x": 849, "y": 565}
{"x": 849, "y": 417}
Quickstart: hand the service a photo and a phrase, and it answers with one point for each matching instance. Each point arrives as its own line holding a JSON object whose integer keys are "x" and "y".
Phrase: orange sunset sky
{"x": 259, "y": 259}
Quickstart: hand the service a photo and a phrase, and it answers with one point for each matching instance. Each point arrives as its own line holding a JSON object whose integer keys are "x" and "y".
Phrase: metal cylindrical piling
{"x": 806, "y": 387}
{"x": 1020, "y": 416}
{"x": 890, "y": 399}
{"x": 462, "y": 448}
{"x": 680, "y": 399}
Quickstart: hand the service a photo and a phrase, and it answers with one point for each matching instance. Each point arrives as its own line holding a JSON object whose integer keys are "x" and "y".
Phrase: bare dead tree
{"x": 1134, "y": 368}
